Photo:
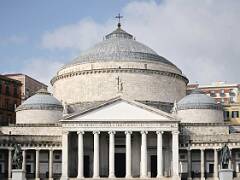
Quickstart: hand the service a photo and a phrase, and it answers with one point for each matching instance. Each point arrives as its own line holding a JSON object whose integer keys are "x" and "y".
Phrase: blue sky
{"x": 201, "y": 37}
{"x": 24, "y": 22}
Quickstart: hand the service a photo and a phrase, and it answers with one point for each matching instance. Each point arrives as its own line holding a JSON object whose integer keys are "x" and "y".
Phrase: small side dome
{"x": 41, "y": 108}
{"x": 198, "y": 100}
{"x": 199, "y": 108}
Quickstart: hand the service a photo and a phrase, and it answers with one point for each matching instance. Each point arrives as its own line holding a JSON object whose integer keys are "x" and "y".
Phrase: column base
{"x": 50, "y": 178}
{"x": 189, "y": 178}
{"x": 37, "y": 178}
{"x": 144, "y": 177}
{"x": 202, "y": 178}
{"x": 64, "y": 178}
{"x": 128, "y": 177}
{"x": 80, "y": 177}
{"x": 96, "y": 177}
{"x": 112, "y": 176}
{"x": 176, "y": 178}
{"x": 159, "y": 176}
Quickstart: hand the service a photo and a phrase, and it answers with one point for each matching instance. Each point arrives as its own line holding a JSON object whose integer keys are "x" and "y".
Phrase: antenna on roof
{"x": 119, "y": 19}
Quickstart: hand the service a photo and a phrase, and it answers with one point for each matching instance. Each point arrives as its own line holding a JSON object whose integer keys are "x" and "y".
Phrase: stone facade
{"x": 131, "y": 80}
{"x": 123, "y": 114}
{"x": 200, "y": 116}
{"x": 10, "y": 97}
{"x": 29, "y": 85}
{"x": 38, "y": 116}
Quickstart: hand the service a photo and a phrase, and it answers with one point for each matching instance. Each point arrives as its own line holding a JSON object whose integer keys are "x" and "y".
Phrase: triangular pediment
{"x": 121, "y": 110}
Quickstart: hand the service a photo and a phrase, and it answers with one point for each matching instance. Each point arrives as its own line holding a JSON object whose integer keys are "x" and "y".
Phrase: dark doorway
{"x": 153, "y": 166}
{"x": 86, "y": 166}
{"x": 120, "y": 164}
{"x": 211, "y": 168}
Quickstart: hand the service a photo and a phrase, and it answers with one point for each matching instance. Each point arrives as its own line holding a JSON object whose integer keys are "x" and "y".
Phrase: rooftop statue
{"x": 17, "y": 157}
{"x": 225, "y": 157}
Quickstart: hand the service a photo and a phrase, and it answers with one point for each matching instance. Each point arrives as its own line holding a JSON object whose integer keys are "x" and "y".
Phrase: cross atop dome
{"x": 119, "y": 19}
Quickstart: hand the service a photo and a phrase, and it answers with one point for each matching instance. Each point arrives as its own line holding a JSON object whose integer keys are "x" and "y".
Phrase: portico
{"x": 110, "y": 142}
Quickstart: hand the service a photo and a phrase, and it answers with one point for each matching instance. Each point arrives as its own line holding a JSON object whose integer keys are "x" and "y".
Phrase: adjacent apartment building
{"x": 10, "y": 97}
{"x": 227, "y": 94}
{"x": 29, "y": 85}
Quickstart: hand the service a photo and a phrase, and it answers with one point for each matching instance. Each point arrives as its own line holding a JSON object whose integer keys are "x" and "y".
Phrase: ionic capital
{"x": 96, "y": 132}
{"x": 159, "y": 132}
{"x": 144, "y": 132}
{"x": 175, "y": 132}
{"x": 80, "y": 132}
{"x": 65, "y": 132}
{"x": 111, "y": 132}
{"x": 128, "y": 132}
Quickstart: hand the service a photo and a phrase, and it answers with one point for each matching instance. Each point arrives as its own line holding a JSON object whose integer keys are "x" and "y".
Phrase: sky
{"x": 201, "y": 37}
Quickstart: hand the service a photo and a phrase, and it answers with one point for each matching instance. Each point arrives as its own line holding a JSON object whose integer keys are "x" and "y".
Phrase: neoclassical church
{"x": 119, "y": 110}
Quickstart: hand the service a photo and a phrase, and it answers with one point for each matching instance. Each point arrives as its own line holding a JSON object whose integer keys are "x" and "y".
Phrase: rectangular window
{"x": 235, "y": 114}
{"x": 7, "y": 90}
{"x": 222, "y": 93}
{"x": 28, "y": 168}
{"x": 226, "y": 115}
{"x": 0, "y": 87}
{"x": 182, "y": 156}
{"x": 28, "y": 156}
{"x": 57, "y": 156}
{"x": 15, "y": 92}
{"x": 212, "y": 93}
{"x": 211, "y": 168}
{"x": 145, "y": 66}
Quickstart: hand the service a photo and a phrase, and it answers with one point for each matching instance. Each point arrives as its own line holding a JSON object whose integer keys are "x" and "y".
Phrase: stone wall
{"x": 200, "y": 116}
{"x": 38, "y": 116}
{"x": 205, "y": 129}
{"x": 31, "y": 130}
{"x": 134, "y": 83}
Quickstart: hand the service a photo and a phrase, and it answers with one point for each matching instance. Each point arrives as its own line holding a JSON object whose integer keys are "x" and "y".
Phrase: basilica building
{"x": 119, "y": 110}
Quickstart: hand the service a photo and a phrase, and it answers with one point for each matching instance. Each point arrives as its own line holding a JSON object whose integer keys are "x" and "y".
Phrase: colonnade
{"x": 128, "y": 134}
{"x": 37, "y": 170}
{"x": 202, "y": 164}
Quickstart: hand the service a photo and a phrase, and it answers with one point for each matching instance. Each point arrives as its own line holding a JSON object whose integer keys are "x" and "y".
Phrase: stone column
{"x": 230, "y": 160}
{"x": 24, "y": 160}
{"x": 215, "y": 175}
{"x": 80, "y": 155}
{"x": 159, "y": 154}
{"x": 37, "y": 165}
{"x": 128, "y": 154}
{"x": 202, "y": 165}
{"x": 111, "y": 154}
{"x": 64, "y": 155}
{"x": 175, "y": 155}
{"x": 50, "y": 167}
{"x": 189, "y": 164}
{"x": 96, "y": 155}
{"x": 144, "y": 154}
{"x": 9, "y": 164}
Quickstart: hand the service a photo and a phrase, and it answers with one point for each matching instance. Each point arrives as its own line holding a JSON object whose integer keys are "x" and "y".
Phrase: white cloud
{"x": 200, "y": 36}
{"x": 78, "y": 36}
{"x": 42, "y": 69}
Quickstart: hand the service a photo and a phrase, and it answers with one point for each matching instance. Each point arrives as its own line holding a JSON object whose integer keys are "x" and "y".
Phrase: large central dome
{"x": 119, "y": 65}
{"x": 119, "y": 46}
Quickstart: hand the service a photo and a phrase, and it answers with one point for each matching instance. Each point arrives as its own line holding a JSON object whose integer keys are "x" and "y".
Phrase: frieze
{"x": 107, "y": 126}
{"x": 122, "y": 70}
